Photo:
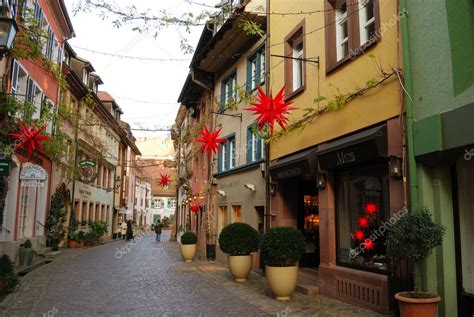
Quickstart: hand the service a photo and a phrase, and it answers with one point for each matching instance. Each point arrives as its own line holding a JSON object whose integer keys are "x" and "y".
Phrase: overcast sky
{"x": 156, "y": 83}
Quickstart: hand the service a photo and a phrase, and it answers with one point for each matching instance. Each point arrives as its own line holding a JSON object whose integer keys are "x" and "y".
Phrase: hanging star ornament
{"x": 210, "y": 141}
{"x": 30, "y": 138}
{"x": 194, "y": 208}
{"x": 271, "y": 109}
{"x": 164, "y": 180}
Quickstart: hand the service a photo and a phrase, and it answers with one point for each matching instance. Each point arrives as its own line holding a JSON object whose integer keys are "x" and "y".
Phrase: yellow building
{"x": 338, "y": 177}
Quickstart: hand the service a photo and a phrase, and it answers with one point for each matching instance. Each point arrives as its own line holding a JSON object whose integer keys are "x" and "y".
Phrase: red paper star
{"x": 271, "y": 109}
{"x": 371, "y": 208}
{"x": 164, "y": 180}
{"x": 359, "y": 235}
{"x": 210, "y": 141}
{"x": 369, "y": 245}
{"x": 194, "y": 208}
{"x": 363, "y": 222}
{"x": 30, "y": 138}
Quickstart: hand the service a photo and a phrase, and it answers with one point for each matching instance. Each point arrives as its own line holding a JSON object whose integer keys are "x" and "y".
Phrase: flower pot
{"x": 240, "y": 266}
{"x": 29, "y": 255}
{"x": 83, "y": 244}
{"x": 282, "y": 280}
{"x": 188, "y": 251}
{"x": 72, "y": 244}
{"x": 424, "y": 306}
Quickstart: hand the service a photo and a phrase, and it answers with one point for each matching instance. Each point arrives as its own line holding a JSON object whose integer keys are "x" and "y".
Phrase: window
{"x": 227, "y": 158}
{"x": 49, "y": 44}
{"x": 351, "y": 29}
{"x": 236, "y": 213}
{"x": 222, "y": 218}
{"x": 255, "y": 145}
{"x": 256, "y": 70}
{"x": 362, "y": 207}
{"x": 228, "y": 90}
{"x": 173, "y": 203}
{"x": 294, "y": 62}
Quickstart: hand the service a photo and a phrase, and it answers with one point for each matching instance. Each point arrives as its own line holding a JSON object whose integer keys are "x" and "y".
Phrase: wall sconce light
{"x": 395, "y": 166}
{"x": 250, "y": 187}
{"x": 8, "y": 31}
{"x": 273, "y": 214}
{"x": 221, "y": 192}
{"x": 321, "y": 181}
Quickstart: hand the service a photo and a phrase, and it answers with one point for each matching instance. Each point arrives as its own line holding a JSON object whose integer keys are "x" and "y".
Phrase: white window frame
{"x": 254, "y": 147}
{"x": 341, "y": 41}
{"x": 223, "y": 156}
{"x": 297, "y": 63}
{"x": 232, "y": 158}
{"x": 363, "y": 22}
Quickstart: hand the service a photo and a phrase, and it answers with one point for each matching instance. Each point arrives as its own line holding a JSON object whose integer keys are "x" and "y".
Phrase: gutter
{"x": 199, "y": 83}
{"x": 412, "y": 168}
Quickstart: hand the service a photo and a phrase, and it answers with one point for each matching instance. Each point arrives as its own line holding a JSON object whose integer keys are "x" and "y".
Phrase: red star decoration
{"x": 194, "y": 208}
{"x": 363, "y": 222}
{"x": 359, "y": 235}
{"x": 371, "y": 208}
{"x": 271, "y": 109}
{"x": 30, "y": 138}
{"x": 164, "y": 180}
{"x": 369, "y": 245}
{"x": 210, "y": 141}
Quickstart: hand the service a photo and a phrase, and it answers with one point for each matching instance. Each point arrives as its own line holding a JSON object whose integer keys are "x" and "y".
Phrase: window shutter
{"x": 249, "y": 75}
{"x": 219, "y": 161}
{"x": 249, "y": 144}
{"x": 222, "y": 106}
{"x": 259, "y": 148}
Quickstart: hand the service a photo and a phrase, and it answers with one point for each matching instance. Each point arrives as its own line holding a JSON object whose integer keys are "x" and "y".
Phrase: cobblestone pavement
{"x": 147, "y": 278}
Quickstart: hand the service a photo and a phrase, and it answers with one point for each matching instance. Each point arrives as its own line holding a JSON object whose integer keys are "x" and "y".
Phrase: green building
{"x": 438, "y": 47}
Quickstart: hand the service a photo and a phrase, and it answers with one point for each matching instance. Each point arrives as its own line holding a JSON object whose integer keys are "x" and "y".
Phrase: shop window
{"x": 84, "y": 212}
{"x": 222, "y": 218}
{"x": 362, "y": 207}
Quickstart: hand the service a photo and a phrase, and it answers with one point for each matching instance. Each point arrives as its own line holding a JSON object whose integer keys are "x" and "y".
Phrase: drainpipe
{"x": 412, "y": 169}
{"x": 267, "y": 217}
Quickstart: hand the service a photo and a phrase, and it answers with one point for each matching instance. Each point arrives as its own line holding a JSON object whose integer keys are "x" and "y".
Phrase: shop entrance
{"x": 308, "y": 221}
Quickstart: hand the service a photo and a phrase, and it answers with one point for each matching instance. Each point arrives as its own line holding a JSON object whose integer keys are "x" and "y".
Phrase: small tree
{"x": 56, "y": 220}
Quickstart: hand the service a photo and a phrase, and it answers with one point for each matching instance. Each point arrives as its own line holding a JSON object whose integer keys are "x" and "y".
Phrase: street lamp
{"x": 8, "y": 30}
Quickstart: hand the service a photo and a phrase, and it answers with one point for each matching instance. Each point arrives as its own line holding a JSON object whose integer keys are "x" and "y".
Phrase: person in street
{"x": 158, "y": 227}
{"x": 123, "y": 228}
{"x": 129, "y": 230}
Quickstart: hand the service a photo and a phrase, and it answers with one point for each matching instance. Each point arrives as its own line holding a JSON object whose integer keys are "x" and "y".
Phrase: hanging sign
{"x": 32, "y": 183}
{"x": 5, "y": 167}
{"x": 88, "y": 171}
{"x": 33, "y": 172}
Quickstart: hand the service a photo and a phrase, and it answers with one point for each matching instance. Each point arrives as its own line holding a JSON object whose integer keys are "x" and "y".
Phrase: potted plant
{"x": 72, "y": 238}
{"x": 238, "y": 240}
{"x": 282, "y": 248}
{"x": 413, "y": 237}
{"x": 29, "y": 252}
{"x": 188, "y": 246}
{"x": 56, "y": 219}
{"x": 8, "y": 278}
{"x": 81, "y": 236}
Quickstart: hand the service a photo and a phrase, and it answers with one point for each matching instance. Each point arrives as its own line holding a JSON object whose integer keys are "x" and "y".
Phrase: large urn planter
{"x": 239, "y": 240}
{"x": 188, "y": 246}
{"x": 282, "y": 280}
{"x": 282, "y": 248}
{"x": 29, "y": 255}
{"x": 419, "y": 304}
{"x": 240, "y": 266}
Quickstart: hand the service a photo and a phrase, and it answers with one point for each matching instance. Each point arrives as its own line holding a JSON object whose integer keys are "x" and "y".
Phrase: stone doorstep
{"x": 307, "y": 289}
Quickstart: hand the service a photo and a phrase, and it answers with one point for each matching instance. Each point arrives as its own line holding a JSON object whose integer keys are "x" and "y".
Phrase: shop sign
{"x": 344, "y": 158}
{"x": 32, "y": 183}
{"x": 5, "y": 167}
{"x": 88, "y": 171}
{"x": 33, "y": 172}
{"x": 289, "y": 173}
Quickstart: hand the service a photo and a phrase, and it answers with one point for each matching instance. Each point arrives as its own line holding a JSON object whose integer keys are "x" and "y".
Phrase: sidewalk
{"x": 256, "y": 292}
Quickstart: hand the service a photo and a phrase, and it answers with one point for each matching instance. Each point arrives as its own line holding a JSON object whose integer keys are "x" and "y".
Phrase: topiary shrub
{"x": 27, "y": 244}
{"x": 282, "y": 246}
{"x": 238, "y": 239}
{"x": 8, "y": 278}
{"x": 188, "y": 238}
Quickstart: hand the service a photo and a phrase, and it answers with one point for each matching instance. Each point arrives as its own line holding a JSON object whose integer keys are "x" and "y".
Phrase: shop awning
{"x": 356, "y": 148}
{"x": 294, "y": 165}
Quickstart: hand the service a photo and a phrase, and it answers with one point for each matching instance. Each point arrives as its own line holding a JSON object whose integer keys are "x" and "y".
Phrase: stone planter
{"x": 29, "y": 255}
{"x": 240, "y": 266}
{"x": 282, "y": 280}
{"x": 21, "y": 256}
{"x": 410, "y": 306}
{"x": 188, "y": 251}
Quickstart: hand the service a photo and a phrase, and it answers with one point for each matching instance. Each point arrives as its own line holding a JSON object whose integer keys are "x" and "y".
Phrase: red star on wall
{"x": 363, "y": 222}
{"x": 195, "y": 208}
{"x": 369, "y": 245}
{"x": 271, "y": 109}
{"x": 359, "y": 235}
{"x": 164, "y": 180}
{"x": 30, "y": 138}
{"x": 210, "y": 141}
{"x": 371, "y": 208}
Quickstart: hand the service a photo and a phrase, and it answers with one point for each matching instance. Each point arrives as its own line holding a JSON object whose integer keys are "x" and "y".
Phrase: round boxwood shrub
{"x": 188, "y": 238}
{"x": 282, "y": 246}
{"x": 238, "y": 239}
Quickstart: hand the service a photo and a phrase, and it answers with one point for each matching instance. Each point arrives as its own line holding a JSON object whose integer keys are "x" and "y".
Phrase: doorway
{"x": 308, "y": 221}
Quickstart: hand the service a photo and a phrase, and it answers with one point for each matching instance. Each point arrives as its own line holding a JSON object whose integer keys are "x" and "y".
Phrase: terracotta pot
{"x": 72, "y": 244}
{"x": 418, "y": 307}
{"x": 282, "y": 280}
{"x": 240, "y": 266}
{"x": 188, "y": 251}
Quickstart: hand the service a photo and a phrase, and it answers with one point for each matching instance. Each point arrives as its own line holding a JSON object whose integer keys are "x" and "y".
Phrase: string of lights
{"x": 141, "y": 58}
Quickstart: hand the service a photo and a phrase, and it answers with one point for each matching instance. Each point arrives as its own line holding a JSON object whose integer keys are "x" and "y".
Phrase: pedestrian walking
{"x": 158, "y": 227}
{"x": 129, "y": 230}
{"x": 123, "y": 228}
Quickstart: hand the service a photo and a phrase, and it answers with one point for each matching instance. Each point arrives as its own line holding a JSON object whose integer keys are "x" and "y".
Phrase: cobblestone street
{"x": 151, "y": 280}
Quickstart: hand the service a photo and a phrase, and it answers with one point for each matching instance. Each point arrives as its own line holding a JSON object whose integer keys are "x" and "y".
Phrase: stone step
{"x": 43, "y": 251}
{"x": 307, "y": 289}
